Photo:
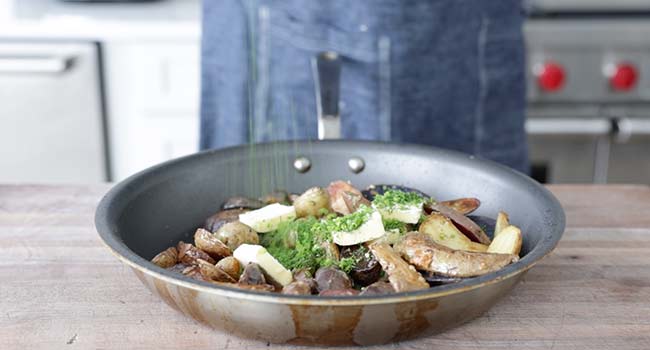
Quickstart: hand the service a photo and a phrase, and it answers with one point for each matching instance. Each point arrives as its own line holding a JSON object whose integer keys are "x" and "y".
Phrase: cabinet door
{"x": 50, "y": 113}
{"x": 153, "y": 100}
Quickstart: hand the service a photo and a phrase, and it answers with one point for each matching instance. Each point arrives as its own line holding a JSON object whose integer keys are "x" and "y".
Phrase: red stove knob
{"x": 622, "y": 76}
{"x": 550, "y": 76}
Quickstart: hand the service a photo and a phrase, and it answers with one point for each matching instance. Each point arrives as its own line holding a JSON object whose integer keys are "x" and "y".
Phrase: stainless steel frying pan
{"x": 156, "y": 208}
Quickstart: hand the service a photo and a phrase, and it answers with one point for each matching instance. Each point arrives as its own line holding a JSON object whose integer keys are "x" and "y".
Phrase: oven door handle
{"x": 571, "y": 126}
{"x": 35, "y": 64}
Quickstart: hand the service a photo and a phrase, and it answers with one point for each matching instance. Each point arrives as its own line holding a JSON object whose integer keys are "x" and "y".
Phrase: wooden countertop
{"x": 60, "y": 288}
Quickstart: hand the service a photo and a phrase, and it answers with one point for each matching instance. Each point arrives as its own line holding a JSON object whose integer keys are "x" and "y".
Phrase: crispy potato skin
{"x": 188, "y": 254}
{"x": 167, "y": 258}
{"x": 465, "y": 224}
{"x": 344, "y": 198}
{"x": 463, "y": 205}
{"x": 209, "y": 243}
{"x": 234, "y": 234}
{"x": 427, "y": 255}
{"x": 442, "y": 231}
{"x": 402, "y": 276}
{"x": 314, "y": 202}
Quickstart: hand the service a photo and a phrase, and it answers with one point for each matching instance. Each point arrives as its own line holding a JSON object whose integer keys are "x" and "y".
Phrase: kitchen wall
{"x": 96, "y": 92}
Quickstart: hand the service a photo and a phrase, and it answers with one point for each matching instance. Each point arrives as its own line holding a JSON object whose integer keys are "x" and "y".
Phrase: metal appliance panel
{"x": 51, "y": 112}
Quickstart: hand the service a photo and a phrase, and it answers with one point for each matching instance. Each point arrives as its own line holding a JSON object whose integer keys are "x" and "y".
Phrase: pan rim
{"x": 544, "y": 246}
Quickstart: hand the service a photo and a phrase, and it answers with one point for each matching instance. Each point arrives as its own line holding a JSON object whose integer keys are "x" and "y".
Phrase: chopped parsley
{"x": 394, "y": 224}
{"x": 349, "y": 222}
{"x": 392, "y": 199}
{"x": 296, "y": 244}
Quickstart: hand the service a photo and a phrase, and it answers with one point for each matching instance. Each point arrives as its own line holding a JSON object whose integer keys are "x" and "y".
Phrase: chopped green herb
{"x": 394, "y": 224}
{"x": 397, "y": 199}
{"x": 296, "y": 244}
{"x": 347, "y": 264}
{"x": 349, "y": 222}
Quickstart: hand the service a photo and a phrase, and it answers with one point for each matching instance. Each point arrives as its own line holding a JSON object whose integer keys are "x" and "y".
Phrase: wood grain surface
{"x": 61, "y": 289}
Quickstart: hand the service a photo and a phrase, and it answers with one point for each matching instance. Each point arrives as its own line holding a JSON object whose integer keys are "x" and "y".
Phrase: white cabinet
{"x": 152, "y": 92}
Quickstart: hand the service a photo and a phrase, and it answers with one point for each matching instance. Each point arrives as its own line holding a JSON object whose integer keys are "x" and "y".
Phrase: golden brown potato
{"x": 167, "y": 258}
{"x": 234, "y": 234}
{"x": 402, "y": 276}
{"x": 468, "y": 227}
{"x": 344, "y": 198}
{"x": 213, "y": 273}
{"x": 214, "y": 222}
{"x": 209, "y": 243}
{"x": 507, "y": 241}
{"x": 188, "y": 254}
{"x": 502, "y": 222}
{"x": 463, "y": 205}
{"x": 231, "y": 266}
{"x": 427, "y": 255}
{"x": 314, "y": 202}
{"x": 297, "y": 288}
{"x": 440, "y": 228}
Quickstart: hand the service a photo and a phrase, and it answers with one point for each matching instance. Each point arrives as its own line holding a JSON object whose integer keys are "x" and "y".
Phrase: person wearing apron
{"x": 446, "y": 73}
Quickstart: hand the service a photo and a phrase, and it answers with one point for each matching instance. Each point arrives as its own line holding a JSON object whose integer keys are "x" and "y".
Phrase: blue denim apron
{"x": 447, "y": 73}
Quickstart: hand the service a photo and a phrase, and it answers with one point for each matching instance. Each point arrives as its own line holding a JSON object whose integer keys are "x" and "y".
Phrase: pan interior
{"x": 160, "y": 206}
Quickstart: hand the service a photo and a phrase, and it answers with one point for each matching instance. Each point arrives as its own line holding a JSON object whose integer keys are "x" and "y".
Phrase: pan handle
{"x": 326, "y": 68}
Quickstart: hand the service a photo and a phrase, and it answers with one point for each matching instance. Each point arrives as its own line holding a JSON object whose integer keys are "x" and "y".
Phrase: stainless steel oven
{"x": 589, "y": 90}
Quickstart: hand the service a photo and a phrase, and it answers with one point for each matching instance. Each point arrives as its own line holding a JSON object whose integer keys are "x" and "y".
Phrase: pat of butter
{"x": 409, "y": 214}
{"x": 268, "y": 218}
{"x": 253, "y": 253}
{"x": 368, "y": 231}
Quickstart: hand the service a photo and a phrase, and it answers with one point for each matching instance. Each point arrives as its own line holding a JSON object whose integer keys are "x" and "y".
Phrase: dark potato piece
{"x": 373, "y": 190}
{"x": 213, "y": 273}
{"x": 193, "y": 272}
{"x": 344, "y": 198}
{"x": 437, "y": 280}
{"x": 463, "y": 205}
{"x": 367, "y": 269}
{"x": 464, "y": 224}
{"x": 167, "y": 258}
{"x": 241, "y": 203}
{"x": 252, "y": 275}
{"x": 427, "y": 255}
{"x": 281, "y": 197}
{"x": 214, "y": 222}
{"x": 231, "y": 266}
{"x": 402, "y": 276}
{"x": 339, "y": 292}
{"x": 234, "y": 234}
{"x": 378, "y": 288}
{"x": 314, "y": 202}
{"x": 188, "y": 254}
{"x": 332, "y": 278}
{"x": 297, "y": 288}
{"x": 303, "y": 275}
{"x": 209, "y": 243}
{"x": 486, "y": 223}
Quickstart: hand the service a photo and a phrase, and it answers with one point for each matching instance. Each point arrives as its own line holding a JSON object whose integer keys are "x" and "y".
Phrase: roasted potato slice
{"x": 464, "y": 224}
{"x": 463, "y": 205}
{"x": 167, "y": 258}
{"x": 426, "y": 255}
{"x": 314, "y": 202}
{"x": 507, "y": 241}
{"x": 440, "y": 228}
{"x": 402, "y": 276}
{"x": 502, "y": 222}
{"x": 344, "y": 198}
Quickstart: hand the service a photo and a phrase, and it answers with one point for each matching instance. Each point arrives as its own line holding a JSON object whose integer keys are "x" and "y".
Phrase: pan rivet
{"x": 356, "y": 164}
{"x": 302, "y": 164}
